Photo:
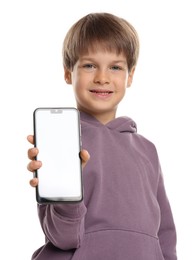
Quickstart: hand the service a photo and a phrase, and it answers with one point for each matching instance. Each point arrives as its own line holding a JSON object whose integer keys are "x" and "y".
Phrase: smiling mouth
{"x": 101, "y": 91}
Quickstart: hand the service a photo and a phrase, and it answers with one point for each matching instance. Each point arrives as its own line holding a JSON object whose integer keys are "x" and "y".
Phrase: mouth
{"x": 101, "y": 92}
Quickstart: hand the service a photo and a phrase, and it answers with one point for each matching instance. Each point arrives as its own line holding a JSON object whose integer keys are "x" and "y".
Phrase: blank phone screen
{"x": 57, "y": 136}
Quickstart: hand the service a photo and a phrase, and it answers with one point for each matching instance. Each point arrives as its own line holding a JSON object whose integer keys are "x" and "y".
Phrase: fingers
{"x": 33, "y": 166}
{"x": 84, "y": 155}
{"x": 30, "y": 138}
{"x": 32, "y": 153}
{"x": 34, "y": 182}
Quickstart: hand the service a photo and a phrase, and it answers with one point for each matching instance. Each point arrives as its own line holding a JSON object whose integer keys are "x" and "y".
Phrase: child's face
{"x": 99, "y": 80}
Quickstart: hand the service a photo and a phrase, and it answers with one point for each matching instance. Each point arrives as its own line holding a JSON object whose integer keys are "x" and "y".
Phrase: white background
{"x": 161, "y": 101}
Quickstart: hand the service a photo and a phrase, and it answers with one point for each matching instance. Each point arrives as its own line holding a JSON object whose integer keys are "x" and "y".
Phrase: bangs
{"x": 97, "y": 45}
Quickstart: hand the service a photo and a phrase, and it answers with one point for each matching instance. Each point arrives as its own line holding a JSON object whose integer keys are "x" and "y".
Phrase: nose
{"x": 102, "y": 77}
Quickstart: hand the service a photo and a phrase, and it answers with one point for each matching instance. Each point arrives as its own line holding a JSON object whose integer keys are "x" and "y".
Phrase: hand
{"x": 34, "y": 164}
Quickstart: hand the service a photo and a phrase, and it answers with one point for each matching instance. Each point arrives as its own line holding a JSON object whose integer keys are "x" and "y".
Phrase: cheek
{"x": 79, "y": 87}
{"x": 122, "y": 84}
{"x": 79, "y": 79}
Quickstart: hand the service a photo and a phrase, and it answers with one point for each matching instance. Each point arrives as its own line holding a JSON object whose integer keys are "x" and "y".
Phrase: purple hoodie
{"x": 125, "y": 214}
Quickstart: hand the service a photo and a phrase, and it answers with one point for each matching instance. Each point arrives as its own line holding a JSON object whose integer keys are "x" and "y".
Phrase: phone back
{"x": 57, "y": 136}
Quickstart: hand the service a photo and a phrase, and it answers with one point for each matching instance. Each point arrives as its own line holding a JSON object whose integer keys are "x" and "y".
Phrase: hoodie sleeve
{"x": 167, "y": 231}
{"x": 63, "y": 224}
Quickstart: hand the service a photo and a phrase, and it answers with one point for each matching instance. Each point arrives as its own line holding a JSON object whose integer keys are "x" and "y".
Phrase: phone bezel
{"x": 46, "y": 200}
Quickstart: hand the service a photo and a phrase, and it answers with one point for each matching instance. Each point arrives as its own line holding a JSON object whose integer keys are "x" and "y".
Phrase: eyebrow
{"x": 92, "y": 59}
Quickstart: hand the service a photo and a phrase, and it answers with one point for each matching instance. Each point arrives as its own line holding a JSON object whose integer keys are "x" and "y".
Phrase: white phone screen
{"x": 57, "y": 136}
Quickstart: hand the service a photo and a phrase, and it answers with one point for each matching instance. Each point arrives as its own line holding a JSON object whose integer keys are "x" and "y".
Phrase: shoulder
{"x": 146, "y": 147}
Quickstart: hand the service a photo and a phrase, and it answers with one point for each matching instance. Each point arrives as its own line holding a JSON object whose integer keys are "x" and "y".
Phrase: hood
{"x": 120, "y": 124}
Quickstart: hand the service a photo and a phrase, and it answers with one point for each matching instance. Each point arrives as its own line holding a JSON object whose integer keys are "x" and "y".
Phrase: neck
{"x": 103, "y": 118}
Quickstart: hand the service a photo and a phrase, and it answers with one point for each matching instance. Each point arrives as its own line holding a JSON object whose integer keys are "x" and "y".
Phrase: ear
{"x": 130, "y": 77}
{"x": 67, "y": 76}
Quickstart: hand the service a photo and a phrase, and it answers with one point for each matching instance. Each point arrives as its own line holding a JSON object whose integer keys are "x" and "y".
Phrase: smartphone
{"x": 57, "y": 135}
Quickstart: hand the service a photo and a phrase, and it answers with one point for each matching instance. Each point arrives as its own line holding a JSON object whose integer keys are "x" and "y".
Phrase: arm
{"x": 167, "y": 231}
{"x": 63, "y": 224}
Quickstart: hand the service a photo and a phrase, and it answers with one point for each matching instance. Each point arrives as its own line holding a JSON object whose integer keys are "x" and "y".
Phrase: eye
{"x": 88, "y": 66}
{"x": 116, "y": 67}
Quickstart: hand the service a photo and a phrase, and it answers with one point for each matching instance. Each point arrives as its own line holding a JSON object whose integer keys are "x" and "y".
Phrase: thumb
{"x": 85, "y": 156}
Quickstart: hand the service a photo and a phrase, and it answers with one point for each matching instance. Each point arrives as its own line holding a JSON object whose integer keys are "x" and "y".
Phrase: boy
{"x": 125, "y": 214}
